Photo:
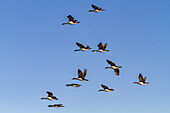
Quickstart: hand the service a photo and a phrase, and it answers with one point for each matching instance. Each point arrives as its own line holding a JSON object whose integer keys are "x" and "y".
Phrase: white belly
{"x": 80, "y": 78}
{"x": 107, "y": 90}
{"x": 141, "y": 83}
{"x": 114, "y": 67}
{"x": 100, "y": 50}
{"x": 98, "y": 10}
{"x": 83, "y": 49}
{"x": 71, "y": 22}
{"x": 49, "y": 98}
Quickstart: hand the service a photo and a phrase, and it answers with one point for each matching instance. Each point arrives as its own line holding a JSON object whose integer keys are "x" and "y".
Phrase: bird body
{"x": 96, "y": 9}
{"x": 141, "y": 80}
{"x": 106, "y": 89}
{"x": 81, "y": 75}
{"x": 113, "y": 66}
{"x": 102, "y": 48}
{"x": 71, "y": 21}
{"x": 50, "y": 96}
{"x": 74, "y": 85}
{"x": 56, "y": 105}
{"x": 82, "y": 47}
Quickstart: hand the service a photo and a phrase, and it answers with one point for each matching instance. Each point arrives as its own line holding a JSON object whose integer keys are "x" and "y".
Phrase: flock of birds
{"x": 82, "y": 75}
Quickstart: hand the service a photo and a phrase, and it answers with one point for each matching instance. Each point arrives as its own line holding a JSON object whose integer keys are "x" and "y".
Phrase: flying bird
{"x": 81, "y": 75}
{"x": 113, "y": 66}
{"x": 50, "y": 96}
{"x": 82, "y": 47}
{"x": 106, "y": 89}
{"x": 102, "y": 48}
{"x": 96, "y": 9}
{"x": 73, "y": 85}
{"x": 71, "y": 21}
{"x": 141, "y": 80}
{"x": 56, "y": 105}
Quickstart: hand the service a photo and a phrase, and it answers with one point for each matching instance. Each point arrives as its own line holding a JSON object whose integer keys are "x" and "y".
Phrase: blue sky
{"x": 36, "y": 55}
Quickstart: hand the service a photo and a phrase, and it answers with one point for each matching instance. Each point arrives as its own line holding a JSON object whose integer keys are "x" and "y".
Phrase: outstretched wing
{"x": 105, "y": 87}
{"x": 84, "y": 73}
{"x": 95, "y": 7}
{"x": 111, "y": 63}
{"x": 80, "y": 45}
{"x": 104, "y": 46}
{"x": 49, "y": 94}
{"x": 140, "y": 77}
{"x": 80, "y": 74}
{"x": 57, "y": 105}
{"x": 116, "y": 71}
{"x": 100, "y": 45}
{"x": 70, "y": 18}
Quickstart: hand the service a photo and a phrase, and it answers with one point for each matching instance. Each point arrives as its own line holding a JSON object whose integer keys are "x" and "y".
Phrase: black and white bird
{"x": 81, "y": 75}
{"x": 141, "y": 80}
{"x": 71, "y": 21}
{"x": 113, "y": 66}
{"x": 73, "y": 85}
{"x": 106, "y": 89}
{"x": 82, "y": 47}
{"x": 50, "y": 96}
{"x": 96, "y": 9}
{"x": 56, "y": 105}
{"x": 102, "y": 48}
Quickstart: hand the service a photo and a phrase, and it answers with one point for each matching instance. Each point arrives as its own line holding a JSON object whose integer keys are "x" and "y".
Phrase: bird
{"x": 73, "y": 84}
{"x": 106, "y": 89}
{"x": 81, "y": 76}
{"x": 102, "y": 48}
{"x": 96, "y": 9}
{"x": 50, "y": 96}
{"x": 113, "y": 66}
{"x": 56, "y": 105}
{"x": 71, "y": 21}
{"x": 141, "y": 80}
{"x": 82, "y": 47}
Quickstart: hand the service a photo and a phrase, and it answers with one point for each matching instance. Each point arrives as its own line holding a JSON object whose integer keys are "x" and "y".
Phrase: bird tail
{"x": 67, "y": 85}
{"x": 74, "y": 79}
{"x": 91, "y": 10}
{"x": 43, "y": 98}
{"x": 135, "y": 83}
{"x": 94, "y": 51}
{"x": 100, "y": 90}
{"x": 108, "y": 68}
{"x": 77, "y": 50}
{"x": 64, "y": 23}
{"x": 50, "y": 105}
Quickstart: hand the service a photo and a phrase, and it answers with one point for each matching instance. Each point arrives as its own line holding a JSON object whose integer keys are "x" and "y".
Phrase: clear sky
{"x": 36, "y": 55}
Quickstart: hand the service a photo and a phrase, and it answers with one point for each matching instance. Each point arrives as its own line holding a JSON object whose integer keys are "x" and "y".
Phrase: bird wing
{"x": 87, "y": 47}
{"x": 111, "y": 63}
{"x": 144, "y": 79}
{"x": 105, "y": 87}
{"x": 70, "y": 18}
{"x": 80, "y": 74}
{"x": 100, "y": 45}
{"x": 95, "y": 7}
{"x": 57, "y": 104}
{"x": 80, "y": 45}
{"x": 84, "y": 73}
{"x": 105, "y": 45}
{"x": 49, "y": 94}
{"x": 116, "y": 71}
{"x": 140, "y": 77}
